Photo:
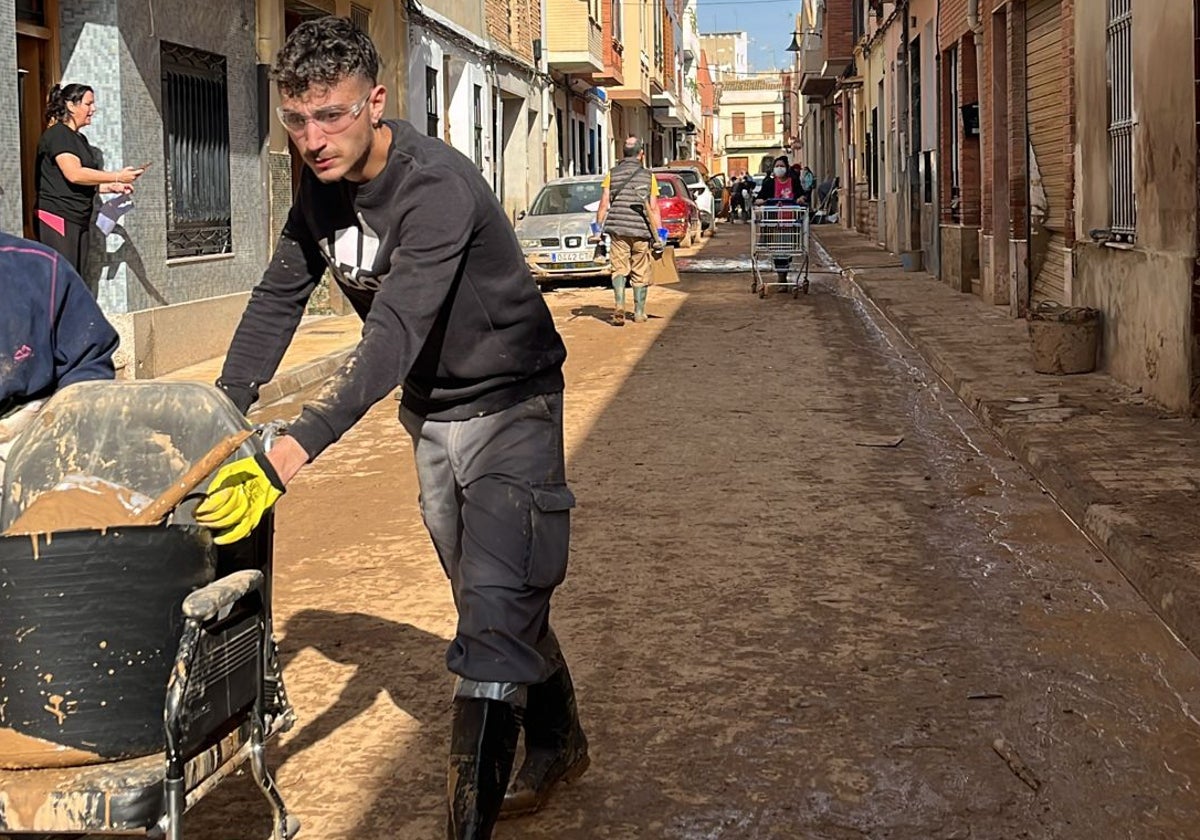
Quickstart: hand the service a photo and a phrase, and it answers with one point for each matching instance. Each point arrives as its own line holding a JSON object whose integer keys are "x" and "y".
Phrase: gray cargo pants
{"x": 494, "y": 497}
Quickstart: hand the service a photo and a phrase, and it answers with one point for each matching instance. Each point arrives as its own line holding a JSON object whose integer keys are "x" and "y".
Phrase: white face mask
{"x": 780, "y": 171}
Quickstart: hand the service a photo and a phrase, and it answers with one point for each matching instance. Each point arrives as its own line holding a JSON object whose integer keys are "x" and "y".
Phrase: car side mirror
{"x": 521, "y": 215}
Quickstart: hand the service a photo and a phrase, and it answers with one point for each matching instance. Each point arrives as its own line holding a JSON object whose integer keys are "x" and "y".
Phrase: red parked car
{"x": 680, "y": 215}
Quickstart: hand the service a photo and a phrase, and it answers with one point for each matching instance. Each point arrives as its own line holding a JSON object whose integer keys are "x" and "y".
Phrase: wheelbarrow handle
{"x": 200, "y": 470}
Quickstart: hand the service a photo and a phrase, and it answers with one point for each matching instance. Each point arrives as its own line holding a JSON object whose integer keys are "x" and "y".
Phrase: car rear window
{"x": 666, "y": 189}
{"x": 689, "y": 176}
{"x": 555, "y": 199}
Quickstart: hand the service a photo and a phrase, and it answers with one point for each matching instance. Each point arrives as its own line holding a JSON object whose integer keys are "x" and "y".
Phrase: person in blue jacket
{"x": 52, "y": 333}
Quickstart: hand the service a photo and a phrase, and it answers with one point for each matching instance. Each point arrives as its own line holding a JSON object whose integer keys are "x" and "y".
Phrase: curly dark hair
{"x": 322, "y": 52}
{"x": 60, "y": 95}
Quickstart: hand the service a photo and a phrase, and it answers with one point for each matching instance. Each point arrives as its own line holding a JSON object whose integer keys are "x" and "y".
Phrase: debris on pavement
{"x": 1020, "y": 769}
{"x": 881, "y": 442}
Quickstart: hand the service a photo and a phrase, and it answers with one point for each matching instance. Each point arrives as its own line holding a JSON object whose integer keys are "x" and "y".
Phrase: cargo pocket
{"x": 550, "y": 541}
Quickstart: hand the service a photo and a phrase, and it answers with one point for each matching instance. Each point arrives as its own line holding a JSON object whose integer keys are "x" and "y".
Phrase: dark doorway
{"x": 37, "y": 71}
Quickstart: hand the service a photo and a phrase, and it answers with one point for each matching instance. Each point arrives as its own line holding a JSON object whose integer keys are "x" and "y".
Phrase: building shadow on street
{"x": 396, "y": 658}
{"x": 405, "y": 662}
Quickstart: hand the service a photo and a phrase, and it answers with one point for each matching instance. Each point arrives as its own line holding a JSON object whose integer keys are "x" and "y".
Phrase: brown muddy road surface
{"x": 779, "y": 625}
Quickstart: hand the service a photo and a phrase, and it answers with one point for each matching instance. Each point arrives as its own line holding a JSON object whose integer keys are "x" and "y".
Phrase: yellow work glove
{"x": 238, "y": 496}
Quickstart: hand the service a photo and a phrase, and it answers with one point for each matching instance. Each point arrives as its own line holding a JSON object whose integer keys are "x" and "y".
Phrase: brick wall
{"x": 864, "y": 208}
{"x": 1014, "y": 137}
{"x": 514, "y": 25}
{"x": 986, "y": 106}
{"x": 837, "y": 40}
{"x": 1017, "y": 153}
{"x": 969, "y": 144}
{"x": 952, "y": 22}
{"x": 945, "y": 148}
{"x": 1068, "y": 69}
{"x": 955, "y": 32}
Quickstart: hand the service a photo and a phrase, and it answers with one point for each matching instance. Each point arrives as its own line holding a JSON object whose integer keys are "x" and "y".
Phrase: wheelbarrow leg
{"x": 282, "y": 826}
{"x": 175, "y": 808}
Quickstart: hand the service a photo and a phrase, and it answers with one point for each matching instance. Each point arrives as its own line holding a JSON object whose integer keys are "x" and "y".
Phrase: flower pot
{"x": 1064, "y": 339}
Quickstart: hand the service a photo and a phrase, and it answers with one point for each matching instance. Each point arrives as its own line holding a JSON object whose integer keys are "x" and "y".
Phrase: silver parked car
{"x": 554, "y": 233}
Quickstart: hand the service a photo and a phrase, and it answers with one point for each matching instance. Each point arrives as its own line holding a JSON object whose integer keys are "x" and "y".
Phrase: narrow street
{"x": 809, "y": 598}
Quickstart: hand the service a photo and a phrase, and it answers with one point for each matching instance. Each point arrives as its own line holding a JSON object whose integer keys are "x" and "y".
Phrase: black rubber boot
{"x": 483, "y": 743}
{"x": 556, "y": 750}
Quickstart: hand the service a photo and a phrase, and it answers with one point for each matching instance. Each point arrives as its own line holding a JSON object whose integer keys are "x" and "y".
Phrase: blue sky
{"x": 769, "y": 23}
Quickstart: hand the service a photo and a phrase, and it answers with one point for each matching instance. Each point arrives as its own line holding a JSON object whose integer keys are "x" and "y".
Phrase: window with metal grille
{"x": 431, "y": 109}
{"x": 195, "y": 104}
{"x": 1122, "y": 199}
{"x": 479, "y": 127}
{"x": 360, "y": 17}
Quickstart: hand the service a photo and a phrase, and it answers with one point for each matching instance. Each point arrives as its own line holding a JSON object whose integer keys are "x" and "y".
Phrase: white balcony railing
{"x": 736, "y": 140}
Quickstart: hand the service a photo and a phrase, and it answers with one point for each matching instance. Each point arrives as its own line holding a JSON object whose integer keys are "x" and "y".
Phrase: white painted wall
{"x": 454, "y": 96}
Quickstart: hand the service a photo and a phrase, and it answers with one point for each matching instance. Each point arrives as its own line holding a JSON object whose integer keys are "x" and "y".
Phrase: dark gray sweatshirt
{"x": 429, "y": 260}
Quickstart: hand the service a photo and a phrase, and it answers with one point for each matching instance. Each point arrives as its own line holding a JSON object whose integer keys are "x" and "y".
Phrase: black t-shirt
{"x": 55, "y": 194}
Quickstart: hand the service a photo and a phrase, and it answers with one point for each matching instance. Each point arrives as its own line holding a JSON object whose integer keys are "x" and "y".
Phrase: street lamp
{"x": 795, "y": 47}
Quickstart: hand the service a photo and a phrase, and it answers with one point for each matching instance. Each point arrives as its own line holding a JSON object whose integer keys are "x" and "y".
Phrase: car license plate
{"x": 571, "y": 256}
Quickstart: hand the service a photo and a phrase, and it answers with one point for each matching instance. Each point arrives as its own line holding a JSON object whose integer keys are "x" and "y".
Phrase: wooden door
{"x": 33, "y": 84}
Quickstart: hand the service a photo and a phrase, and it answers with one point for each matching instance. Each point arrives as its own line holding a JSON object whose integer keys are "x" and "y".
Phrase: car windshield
{"x": 556, "y": 199}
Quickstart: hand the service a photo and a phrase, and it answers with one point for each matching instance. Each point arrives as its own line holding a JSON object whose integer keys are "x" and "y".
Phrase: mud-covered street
{"x": 809, "y": 598}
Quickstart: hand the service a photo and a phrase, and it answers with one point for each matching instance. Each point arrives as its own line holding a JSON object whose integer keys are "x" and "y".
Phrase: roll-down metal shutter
{"x": 1047, "y": 103}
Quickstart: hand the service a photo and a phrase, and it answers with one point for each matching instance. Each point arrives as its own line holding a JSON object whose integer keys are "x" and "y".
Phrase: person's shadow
{"x": 409, "y": 664}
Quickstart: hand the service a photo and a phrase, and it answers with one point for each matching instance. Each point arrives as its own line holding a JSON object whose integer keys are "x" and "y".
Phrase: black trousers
{"x": 495, "y": 500}
{"x": 72, "y": 243}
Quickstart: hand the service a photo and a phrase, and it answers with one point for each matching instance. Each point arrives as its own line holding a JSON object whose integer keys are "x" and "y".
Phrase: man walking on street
{"x": 628, "y": 213}
{"x": 424, "y": 252}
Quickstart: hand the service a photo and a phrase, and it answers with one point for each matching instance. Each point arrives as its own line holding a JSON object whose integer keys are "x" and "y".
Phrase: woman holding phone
{"x": 68, "y": 174}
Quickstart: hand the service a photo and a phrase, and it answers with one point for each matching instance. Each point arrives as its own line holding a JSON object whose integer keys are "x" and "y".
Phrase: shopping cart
{"x": 779, "y": 234}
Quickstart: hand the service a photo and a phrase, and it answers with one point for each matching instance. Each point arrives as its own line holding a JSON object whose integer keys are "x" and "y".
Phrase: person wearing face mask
{"x": 783, "y": 186}
{"x": 68, "y": 174}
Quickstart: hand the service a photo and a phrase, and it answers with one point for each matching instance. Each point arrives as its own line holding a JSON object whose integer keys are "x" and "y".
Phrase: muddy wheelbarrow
{"x": 137, "y": 665}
